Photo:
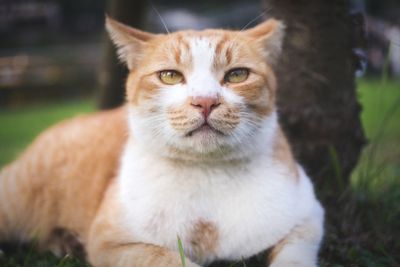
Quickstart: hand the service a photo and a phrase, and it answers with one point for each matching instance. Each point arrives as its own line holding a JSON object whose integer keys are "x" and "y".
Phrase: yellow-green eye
{"x": 171, "y": 77}
{"x": 236, "y": 75}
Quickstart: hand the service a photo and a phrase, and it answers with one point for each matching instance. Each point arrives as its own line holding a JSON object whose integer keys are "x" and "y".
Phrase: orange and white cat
{"x": 196, "y": 152}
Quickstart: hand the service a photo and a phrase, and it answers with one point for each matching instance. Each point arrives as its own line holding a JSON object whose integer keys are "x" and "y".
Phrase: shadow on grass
{"x": 27, "y": 255}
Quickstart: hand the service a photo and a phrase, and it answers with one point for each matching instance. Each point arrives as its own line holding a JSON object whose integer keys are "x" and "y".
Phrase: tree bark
{"x": 316, "y": 89}
{"x": 113, "y": 73}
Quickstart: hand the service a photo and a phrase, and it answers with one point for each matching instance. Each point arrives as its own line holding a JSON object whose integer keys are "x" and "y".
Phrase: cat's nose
{"x": 205, "y": 104}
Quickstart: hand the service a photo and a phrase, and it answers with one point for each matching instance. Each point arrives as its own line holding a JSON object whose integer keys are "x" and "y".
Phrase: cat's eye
{"x": 236, "y": 75}
{"x": 170, "y": 77}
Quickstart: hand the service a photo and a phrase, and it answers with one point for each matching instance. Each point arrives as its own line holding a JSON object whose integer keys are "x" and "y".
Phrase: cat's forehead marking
{"x": 223, "y": 51}
{"x": 203, "y": 51}
{"x": 202, "y": 81}
{"x": 181, "y": 50}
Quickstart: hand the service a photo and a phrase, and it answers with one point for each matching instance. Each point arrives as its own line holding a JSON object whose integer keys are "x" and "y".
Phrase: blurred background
{"x": 55, "y": 49}
{"x": 339, "y": 94}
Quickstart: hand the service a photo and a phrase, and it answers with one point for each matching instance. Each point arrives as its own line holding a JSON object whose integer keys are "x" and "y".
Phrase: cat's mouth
{"x": 205, "y": 128}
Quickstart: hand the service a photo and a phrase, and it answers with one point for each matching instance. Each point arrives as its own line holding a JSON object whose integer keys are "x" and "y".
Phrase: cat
{"x": 196, "y": 153}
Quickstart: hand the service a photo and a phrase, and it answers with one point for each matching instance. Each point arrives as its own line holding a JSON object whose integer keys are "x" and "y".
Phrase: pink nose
{"x": 205, "y": 104}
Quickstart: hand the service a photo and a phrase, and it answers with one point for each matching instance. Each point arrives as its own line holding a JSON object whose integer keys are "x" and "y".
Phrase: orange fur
{"x": 204, "y": 238}
{"x": 60, "y": 180}
{"x": 61, "y": 190}
{"x": 276, "y": 250}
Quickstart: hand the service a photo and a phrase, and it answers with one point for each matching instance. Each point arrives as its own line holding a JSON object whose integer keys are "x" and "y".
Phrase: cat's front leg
{"x": 111, "y": 245}
{"x": 300, "y": 247}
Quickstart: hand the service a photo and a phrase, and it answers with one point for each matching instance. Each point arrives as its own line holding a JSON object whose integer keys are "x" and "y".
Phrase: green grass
{"x": 370, "y": 213}
{"x": 181, "y": 252}
{"x": 367, "y": 223}
{"x": 381, "y": 107}
{"x": 379, "y": 168}
{"x": 28, "y": 257}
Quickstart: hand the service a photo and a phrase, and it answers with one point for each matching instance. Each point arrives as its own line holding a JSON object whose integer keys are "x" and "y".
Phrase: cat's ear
{"x": 130, "y": 42}
{"x": 269, "y": 35}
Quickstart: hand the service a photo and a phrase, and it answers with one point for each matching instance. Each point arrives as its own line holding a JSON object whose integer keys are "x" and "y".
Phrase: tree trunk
{"x": 113, "y": 74}
{"x": 316, "y": 89}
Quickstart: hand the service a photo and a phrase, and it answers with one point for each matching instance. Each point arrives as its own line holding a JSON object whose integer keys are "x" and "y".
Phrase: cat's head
{"x": 200, "y": 94}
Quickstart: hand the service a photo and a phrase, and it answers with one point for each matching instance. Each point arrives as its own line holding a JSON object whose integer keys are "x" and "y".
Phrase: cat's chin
{"x": 205, "y": 144}
{"x": 207, "y": 139}
{"x": 205, "y": 155}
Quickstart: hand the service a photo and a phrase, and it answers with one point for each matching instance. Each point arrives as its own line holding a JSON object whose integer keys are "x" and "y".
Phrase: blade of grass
{"x": 181, "y": 252}
{"x": 366, "y": 170}
{"x": 30, "y": 252}
{"x": 336, "y": 166}
{"x": 63, "y": 261}
{"x": 244, "y": 262}
{"x": 385, "y": 67}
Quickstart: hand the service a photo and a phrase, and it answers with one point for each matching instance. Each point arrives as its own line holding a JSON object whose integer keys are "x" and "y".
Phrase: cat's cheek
{"x": 232, "y": 98}
{"x": 183, "y": 118}
{"x": 171, "y": 96}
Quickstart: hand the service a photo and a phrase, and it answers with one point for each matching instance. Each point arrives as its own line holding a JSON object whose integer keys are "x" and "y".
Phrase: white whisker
{"x": 256, "y": 18}
{"x": 161, "y": 18}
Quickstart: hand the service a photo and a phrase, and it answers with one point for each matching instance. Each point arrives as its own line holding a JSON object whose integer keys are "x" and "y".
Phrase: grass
{"x": 381, "y": 158}
{"x": 366, "y": 227}
{"x": 28, "y": 257}
{"x": 369, "y": 215}
{"x": 379, "y": 167}
{"x": 181, "y": 252}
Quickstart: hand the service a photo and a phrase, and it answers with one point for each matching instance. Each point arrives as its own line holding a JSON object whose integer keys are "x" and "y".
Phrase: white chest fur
{"x": 251, "y": 206}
